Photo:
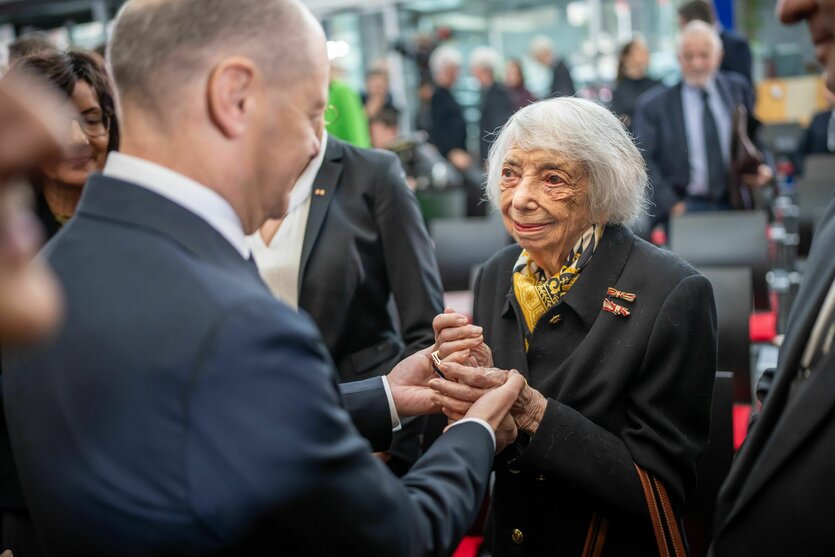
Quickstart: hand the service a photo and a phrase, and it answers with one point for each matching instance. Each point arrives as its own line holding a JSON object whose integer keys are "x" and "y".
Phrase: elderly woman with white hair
{"x": 617, "y": 340}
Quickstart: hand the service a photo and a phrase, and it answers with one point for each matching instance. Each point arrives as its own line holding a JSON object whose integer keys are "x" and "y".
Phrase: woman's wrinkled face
{"x": 87, "y": 140}
{"x": 544, "y": 203}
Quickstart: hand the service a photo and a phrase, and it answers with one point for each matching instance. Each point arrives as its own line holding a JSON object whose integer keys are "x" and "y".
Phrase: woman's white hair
{"x": 442, "y": 58}
{"x": 585, "y": 132}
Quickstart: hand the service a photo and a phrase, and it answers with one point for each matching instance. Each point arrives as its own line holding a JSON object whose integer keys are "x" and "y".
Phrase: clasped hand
{"x": 467, "y": 364}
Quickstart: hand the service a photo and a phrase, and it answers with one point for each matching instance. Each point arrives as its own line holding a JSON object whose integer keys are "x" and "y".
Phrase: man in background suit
{"x": 352, "y": 238}
{"x": 779, "y": 498}
{"x": 685, "y": 130}
{"x": 562, "y": 85}
{"x": 496, "y": 107}
{"x": 181, "y": 409}
{"x": 736, "y": 52}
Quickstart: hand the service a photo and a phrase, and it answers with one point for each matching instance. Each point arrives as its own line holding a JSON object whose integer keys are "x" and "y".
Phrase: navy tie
{"x": 716, "y": 176}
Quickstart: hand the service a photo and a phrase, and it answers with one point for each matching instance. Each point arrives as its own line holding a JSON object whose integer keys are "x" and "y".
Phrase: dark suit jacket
{"x": 448, "y": 130}
{"x": 779, "y": 498}
{"x": 737, "y": 54}
{"x": 366, "y": 241}
{"x": 496, "y": 108}
{"x": 620, "y": 390}
{"x": 661, "y": 135}
{"x": 814, "y": 140}
{"x": 561, "y": 83}
{"x": 182, "y": 410}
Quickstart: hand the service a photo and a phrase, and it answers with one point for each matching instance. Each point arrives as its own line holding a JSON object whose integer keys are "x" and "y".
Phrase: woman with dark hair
{"x": 514, "y": 81}
{"x": 90, "y": 136}
{"x": 632, "y": 80}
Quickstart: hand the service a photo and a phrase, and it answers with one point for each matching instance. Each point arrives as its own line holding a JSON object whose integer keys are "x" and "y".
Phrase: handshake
{"x": 470, "y": 388}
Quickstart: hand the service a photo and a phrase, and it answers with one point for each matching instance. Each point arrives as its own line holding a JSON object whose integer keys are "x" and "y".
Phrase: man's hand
{"x": 467, "y": 385}
{"x": 463, "y": 387}
{"x": 494, "y": 406}
{"x": 459, "y": 342}
{"x": 761, "y": 178}
{"x": 409, "y": 384}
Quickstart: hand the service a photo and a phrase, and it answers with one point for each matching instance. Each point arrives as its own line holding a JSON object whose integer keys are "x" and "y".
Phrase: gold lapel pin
{"x": 626, "y": 296}
{"x": 613, "y": 308}
{"x": 319, "y": 192}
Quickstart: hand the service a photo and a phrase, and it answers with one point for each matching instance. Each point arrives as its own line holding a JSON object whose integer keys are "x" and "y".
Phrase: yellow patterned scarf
{"x": 536, "y": 292}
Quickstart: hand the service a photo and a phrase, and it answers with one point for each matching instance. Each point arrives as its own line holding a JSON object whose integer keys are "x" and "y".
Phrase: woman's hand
{"x": 459, "y": 342}
{"x": 529, "y": 409}
{"x": 467, "y": 384}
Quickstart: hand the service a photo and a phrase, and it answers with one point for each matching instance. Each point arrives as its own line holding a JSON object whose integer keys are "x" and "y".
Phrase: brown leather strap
{"x": 596, "y": 536}
{"x": 654, "y": 514}
{"x": 670, "y": 518}
{"x": 664, "y": 522}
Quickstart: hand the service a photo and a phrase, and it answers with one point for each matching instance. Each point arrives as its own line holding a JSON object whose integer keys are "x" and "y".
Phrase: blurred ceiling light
{"x": 577, "y": 13}
{"x": 338, "y": 49}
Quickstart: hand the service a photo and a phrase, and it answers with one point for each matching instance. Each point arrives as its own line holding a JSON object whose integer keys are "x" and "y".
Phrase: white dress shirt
{"x": 693, "y": 105}
{"x": 279, "y": 262}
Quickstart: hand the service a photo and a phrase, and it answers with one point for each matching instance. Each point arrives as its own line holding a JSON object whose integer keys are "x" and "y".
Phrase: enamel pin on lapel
{"x": 617, "y": 309}
{"x": 319, "y": 192}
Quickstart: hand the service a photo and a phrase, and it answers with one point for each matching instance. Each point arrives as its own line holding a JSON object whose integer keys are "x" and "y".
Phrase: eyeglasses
{"x": 92, "y": 124}
{"x": 331, "y": 115}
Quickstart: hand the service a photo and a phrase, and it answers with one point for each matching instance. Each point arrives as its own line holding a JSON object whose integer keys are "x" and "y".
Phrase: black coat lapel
{"x": 324, "y": 186}
{"x": 603, "y": 270}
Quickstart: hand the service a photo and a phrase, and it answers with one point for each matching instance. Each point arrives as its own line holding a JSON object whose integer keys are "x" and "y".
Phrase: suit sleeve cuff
{"x": 395, "y": 419}
{"x": 482, "y": 422}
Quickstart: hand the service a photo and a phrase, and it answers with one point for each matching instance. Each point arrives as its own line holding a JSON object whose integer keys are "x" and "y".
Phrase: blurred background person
{"x": 496, "y": 106}
{"x": 27, "y": 45}
{"x": 632, "y": 79}
{"x": 448, "y": 131}
{"x": 82, "y": 77}
{"x": 423, "y": 116}
{"x": 685, "y": 131}
{"x": 345, "y": 115}
{"x": 736, "y": 55}
{"x": 819, "y": 136}
{"x": 542, "y": 50}
{"x": 514, "y": 81}
{"x": 424, "y": 166}
{"x": 32, "y": 118}
{"x": 620, "y": 362}
{"x": 58, "y": 183}
{"x": 376, "y": 96}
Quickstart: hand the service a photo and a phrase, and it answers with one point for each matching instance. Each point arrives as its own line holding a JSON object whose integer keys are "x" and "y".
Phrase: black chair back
{"x": 462, "y": 245}
{"x": 732, "y": 292}
{"x": 814, "y": 191}
{"x": 712, "y": 469}
{"x": 725, "y": 239}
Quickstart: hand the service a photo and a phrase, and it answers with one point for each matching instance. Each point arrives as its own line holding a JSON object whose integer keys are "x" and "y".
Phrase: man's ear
{"x": 231, "y": 95}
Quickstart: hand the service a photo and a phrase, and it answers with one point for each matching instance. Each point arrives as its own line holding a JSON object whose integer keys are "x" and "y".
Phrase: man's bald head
{"x": 160, "y": 46}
